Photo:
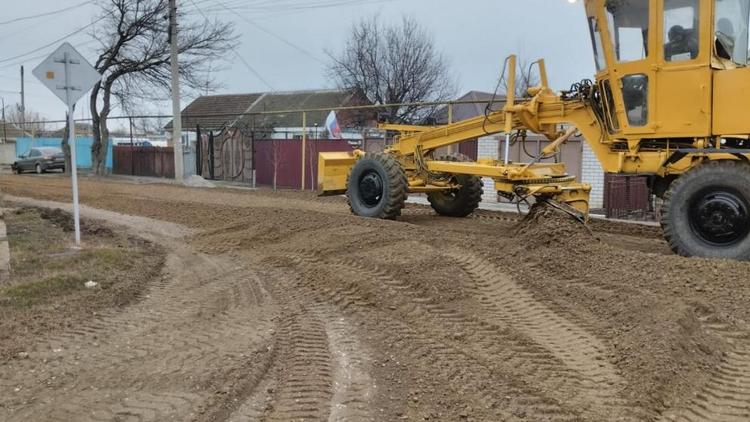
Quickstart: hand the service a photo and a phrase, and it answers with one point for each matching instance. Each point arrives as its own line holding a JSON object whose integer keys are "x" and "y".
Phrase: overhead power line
{"x": 234, "y": 50}
{"x": 64, "y": 37}
{"x": 274, "y": 35}
{"x": 41, "y": 15}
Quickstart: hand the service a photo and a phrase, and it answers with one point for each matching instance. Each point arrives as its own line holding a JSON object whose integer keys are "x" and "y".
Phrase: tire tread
{"x": 723, "y": 169}
{"x": 472, "y": 191}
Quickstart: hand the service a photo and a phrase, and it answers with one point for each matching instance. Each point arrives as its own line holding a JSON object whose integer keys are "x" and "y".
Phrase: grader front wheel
{"x": 377, "y": 187}
{"x": 707, "y": 212}
{"x": 458, "y": 202}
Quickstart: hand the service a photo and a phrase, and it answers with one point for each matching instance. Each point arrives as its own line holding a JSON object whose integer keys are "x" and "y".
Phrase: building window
{"x": 628, "y": 25}
{"x": 681, "y": 30}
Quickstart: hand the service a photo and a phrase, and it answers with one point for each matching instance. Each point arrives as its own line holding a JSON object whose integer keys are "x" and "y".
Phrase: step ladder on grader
{"x": 670, "y": 101}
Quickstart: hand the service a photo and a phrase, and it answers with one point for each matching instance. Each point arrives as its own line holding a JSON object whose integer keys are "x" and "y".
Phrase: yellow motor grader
{"x": 671, "y": 101}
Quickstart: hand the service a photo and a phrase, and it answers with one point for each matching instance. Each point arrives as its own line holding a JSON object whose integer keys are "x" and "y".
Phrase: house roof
{"x": 81, "y": 129}
{"x": 467, "y": 111}
{"x": 213, "y": 112}
{"x": 238, "y": 107}
{"x": 300, "y": 100}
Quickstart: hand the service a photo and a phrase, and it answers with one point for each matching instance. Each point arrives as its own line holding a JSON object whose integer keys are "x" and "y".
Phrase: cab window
{"x": 731, "y": 30}
{"x": 681, "y": 30}
{"x": 596, "y": 40}
{"x": 635, "y": 96}
{"x": 629, "y": 26}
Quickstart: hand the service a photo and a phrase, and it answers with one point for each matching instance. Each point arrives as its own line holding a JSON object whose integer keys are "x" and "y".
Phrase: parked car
{"x": 40, "y": 160}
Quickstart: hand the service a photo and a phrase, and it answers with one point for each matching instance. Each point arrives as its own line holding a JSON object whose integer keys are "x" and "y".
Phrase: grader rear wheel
{"x": 706, "y": 212}
{"x": 377, "y": 187}
{"x": 458, "y": 202}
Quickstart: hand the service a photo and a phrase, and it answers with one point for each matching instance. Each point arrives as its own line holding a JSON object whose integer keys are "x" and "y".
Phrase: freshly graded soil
{"x": 283, "y": 306}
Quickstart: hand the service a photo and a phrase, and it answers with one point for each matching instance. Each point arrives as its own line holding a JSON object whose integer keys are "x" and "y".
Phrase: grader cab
{"x": 669, "y": 101}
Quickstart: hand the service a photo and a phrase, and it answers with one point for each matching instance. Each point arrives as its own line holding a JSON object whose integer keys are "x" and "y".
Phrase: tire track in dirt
{"x": 305, "y": 389}
{"x": 322, "y": 370}
{"x": 425, "y": 336}
{"x": 726, "y": 395}
{"x": 599, "y": 384}
{"x": 192, "y": 332}
{"x": 494, "y": 343}
{"x": 353, "y": 387}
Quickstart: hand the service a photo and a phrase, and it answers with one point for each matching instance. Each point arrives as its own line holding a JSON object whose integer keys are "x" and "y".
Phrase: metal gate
{"x": 627, "y": 197}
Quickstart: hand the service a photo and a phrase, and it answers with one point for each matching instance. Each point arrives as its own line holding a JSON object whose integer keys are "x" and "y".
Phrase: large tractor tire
{"x": 377, "y": 187}
{"x": 706, "y": 211}
{"x": 458, "y": 202}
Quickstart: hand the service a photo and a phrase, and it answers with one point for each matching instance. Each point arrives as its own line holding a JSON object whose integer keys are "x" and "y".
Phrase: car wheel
{"x": 39, "y": 169}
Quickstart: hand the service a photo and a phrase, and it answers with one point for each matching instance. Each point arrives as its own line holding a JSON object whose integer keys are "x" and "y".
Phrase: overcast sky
{"x": 475, "y": 35}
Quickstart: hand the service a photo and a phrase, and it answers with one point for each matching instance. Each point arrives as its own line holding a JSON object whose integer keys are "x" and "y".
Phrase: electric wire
{"x": 272, "y": 34}
{"x": 237, "y": 54}
{"x": 41, "y": 15}
{"x": 64, "y": 37}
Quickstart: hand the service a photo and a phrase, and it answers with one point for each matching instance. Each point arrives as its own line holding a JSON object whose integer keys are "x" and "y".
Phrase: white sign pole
{"x": 69, "y": 76}
{"x": 72, "y": 145}
{"x": 74, "y": 174}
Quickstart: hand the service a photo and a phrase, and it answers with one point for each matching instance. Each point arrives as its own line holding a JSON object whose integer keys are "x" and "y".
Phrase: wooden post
{"x": 304, "y": 146}
{"x": 452, "y": 148}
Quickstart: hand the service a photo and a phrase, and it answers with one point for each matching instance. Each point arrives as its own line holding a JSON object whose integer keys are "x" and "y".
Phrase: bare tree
{"x": 29, "y": 121}
{"x": 66, "y": 143}
{"x": 275, "y": 157}
{"x": 393, "y": 64}
{"x": 134, "y": 59}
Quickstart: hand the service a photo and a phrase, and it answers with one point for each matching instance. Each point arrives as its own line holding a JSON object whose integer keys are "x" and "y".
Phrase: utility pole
{"x": 176, "y": 109}
{"x": 5, "y": 130}
{"x": 23, "y": 105}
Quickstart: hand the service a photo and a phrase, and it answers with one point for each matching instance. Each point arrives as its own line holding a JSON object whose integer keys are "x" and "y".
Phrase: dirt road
{"x": 285, "y": 307}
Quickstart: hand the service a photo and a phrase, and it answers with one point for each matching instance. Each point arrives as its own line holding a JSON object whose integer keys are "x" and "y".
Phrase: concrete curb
{"x": 4, "y": 251}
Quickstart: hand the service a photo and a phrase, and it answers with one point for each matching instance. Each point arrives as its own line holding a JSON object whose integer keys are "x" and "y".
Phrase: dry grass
{"x": 47, "y": 292}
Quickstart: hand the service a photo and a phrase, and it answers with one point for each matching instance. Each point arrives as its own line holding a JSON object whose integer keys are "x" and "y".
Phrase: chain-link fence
{"x": 277, "y": 148}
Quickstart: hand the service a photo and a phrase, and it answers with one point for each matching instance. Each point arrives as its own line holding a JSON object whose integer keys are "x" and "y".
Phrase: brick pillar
{"x": 593, "y": 174}
{"x": 489, "y": 147}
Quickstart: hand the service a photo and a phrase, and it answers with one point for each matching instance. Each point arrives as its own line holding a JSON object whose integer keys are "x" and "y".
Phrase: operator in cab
{"x": 682, "y": 44}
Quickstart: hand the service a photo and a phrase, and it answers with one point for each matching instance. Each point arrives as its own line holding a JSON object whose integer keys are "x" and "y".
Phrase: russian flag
{"x": 332, "y": 124}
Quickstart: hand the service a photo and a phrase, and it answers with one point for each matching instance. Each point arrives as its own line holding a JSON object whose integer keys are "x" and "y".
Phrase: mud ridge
{"x": 579, "y": 350}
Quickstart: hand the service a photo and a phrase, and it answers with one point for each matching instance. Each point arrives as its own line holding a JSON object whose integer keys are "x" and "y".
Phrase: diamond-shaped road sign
{"x": 67, "y": 74}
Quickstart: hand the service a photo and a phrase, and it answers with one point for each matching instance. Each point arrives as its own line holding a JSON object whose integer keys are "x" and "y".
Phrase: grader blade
{"x": 333, "y": 170}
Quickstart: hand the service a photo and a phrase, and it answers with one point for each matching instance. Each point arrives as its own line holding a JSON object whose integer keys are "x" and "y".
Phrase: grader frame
{"x": 664, "y": 109}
